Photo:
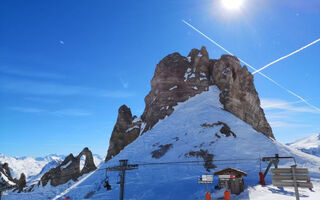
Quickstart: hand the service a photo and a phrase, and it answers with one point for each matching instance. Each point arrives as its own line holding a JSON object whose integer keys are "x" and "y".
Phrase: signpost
{"x": 291, "y": 177}
{"x": 206, "y": 179}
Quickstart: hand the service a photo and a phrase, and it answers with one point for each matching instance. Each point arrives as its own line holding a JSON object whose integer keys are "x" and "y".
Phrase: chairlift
{"x": 106, "y": 183}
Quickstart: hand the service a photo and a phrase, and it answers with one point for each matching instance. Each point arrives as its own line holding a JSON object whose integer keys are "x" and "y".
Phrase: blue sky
{"x": 67, "y": 66}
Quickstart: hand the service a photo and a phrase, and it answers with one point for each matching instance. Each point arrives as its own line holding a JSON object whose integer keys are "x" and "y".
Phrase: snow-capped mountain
{"x": 28, "y": 165}
{"x": 193, "y": 133}
{"x": 189, "y": 134}
{"x": 46, "y": 168}
{"x": 34, "y": 168}
{"x": 310, "y": 145}
{"x": 6, "y": 179}
{"x": 71, "y": 168}
{"x": 201, "y": 115}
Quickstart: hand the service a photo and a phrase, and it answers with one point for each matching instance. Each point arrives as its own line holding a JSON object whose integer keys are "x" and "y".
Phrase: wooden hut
{"x": 231, "y": 179}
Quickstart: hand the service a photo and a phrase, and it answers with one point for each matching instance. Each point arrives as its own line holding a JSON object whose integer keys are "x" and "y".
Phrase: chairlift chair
{"x": 106, "y": 183}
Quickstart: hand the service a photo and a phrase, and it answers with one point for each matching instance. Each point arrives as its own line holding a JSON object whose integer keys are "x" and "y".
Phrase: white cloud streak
{"x": 42, "y": 100}
{"x": 27, "y": 110}
{"x": 32, "y": 74}
{"x": 265, "y": 76}
{"x": 62, "y": 112}
{"x": 56, "y": 89}
{"x": 277, "y": 104}
{"x": 283, "y": 114}
{"x": 71, "y": 112}
{"x": 286, "y": 56}
{"x": 281, "y": 124}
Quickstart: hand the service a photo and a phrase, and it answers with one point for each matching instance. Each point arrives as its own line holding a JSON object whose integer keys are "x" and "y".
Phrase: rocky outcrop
{"x": 163, "y": 149}
{"x": 6, "y": 179}
{"x": 21, "y": 182}
{"x": 177, "y": 78}
{"x": 69, "y": 169}
{"x": 225, "y": 129}
{"x": 238, "y": 94}
{"x": 207, "y": 158}
{"x": 126, "y": 130}
{"x": 5, "y": 172}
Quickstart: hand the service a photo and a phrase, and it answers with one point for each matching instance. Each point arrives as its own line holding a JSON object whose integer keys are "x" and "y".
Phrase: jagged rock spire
{"x": 177, "y": 78}
{"x": 69, "y": 169}
{"x": 125, "y": 131}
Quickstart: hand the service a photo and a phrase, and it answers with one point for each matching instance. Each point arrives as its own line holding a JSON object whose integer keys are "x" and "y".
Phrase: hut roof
{"x": 230, "y": 170}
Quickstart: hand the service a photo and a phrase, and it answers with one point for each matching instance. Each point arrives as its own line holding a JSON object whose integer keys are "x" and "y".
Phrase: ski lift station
{"x": 231, "y": 179}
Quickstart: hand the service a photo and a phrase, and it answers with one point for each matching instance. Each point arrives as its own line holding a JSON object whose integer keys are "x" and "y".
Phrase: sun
{"x": 232, "y": 4}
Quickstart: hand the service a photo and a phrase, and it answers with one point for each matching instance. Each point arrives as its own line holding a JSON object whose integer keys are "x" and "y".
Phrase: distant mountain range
{"x": 34, "y": 168}
{"x": 310, "y": 145}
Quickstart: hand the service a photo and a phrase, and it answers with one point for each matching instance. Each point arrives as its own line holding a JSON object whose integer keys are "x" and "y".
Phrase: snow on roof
{"x": 230, "y": 170}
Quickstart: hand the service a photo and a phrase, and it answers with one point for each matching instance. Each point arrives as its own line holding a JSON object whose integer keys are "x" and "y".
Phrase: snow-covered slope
{"x": 46, "y": 168}
{"x": 191, "y": 133}
{"x": 310, "y": 145}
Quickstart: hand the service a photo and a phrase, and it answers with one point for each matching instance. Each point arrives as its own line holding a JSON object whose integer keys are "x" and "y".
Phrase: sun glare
{"x": 232, "y": 4}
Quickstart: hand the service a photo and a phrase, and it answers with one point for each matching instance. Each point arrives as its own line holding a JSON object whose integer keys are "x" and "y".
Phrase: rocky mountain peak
{"x": 126, "y": 130}
{"x": 69, "y": 169}
{"x": 178, "y": 78}
{"x": 7, "y": 180}
{"x": 239, "y": 95}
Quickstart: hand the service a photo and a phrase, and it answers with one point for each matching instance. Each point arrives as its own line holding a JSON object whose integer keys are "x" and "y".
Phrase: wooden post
{"x": 293, "y": 168}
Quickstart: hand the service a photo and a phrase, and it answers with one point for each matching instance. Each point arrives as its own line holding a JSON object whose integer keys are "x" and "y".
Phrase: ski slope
{"x": 183, "y": 132}
{"x": 310, "y": 145}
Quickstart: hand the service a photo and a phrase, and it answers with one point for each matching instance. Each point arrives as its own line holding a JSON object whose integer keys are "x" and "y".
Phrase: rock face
{"x": 69, "y": 169}
{"x": 7, "y": 180}
{"x": 177, "y": 78}
{"x": 239, "y": 95}
{"x": 126, "y": 130}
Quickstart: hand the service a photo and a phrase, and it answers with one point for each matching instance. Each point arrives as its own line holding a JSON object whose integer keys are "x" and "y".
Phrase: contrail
{"x": 267, "y": 77}
{"x": 283, "y": 57}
